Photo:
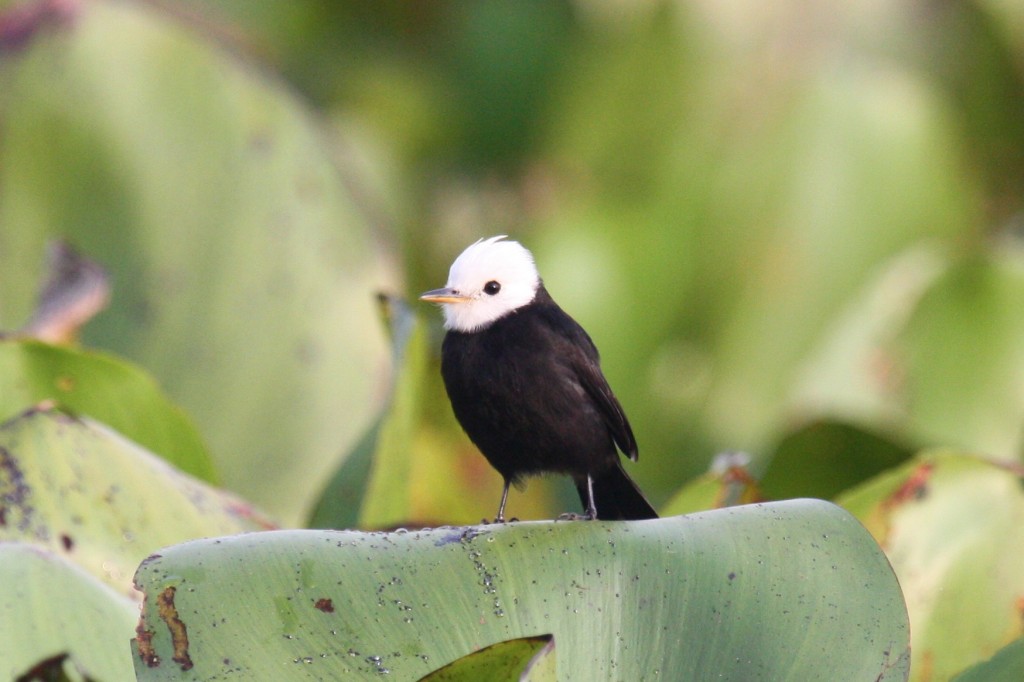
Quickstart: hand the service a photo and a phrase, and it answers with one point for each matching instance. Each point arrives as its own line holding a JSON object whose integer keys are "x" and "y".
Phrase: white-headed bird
{"x": 525, "y": 382}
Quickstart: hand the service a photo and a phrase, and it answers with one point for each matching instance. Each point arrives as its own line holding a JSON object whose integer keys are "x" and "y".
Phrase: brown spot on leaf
{"x": 67, "y": 542}
{"x": 144, "y": 638}
{"x": 325, "y": 605}
{"x": 15, "y": 493}
{"x": 914, "y": 488}
{"x": 179, "y": 633}
{"x": 926, "y": 669}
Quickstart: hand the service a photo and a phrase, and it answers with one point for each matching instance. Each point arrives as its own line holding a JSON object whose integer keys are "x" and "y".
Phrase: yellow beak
{"x": 444, "y": 295}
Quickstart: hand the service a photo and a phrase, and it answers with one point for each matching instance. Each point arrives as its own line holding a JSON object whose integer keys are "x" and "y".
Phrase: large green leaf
{"x": 953, "y": 527}
{"x": 242, "y": 270}
{"x": 786, "y": 591}
{"x": 77, "y": 489}
{"x": 107, "y": 389}
{"x": 50, "y": 607}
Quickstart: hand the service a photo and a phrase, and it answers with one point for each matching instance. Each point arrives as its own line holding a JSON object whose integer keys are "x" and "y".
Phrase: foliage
{"x": 793, "y": 234}
{"x": 80, "y": 508}
{"x": 1004, "y": 666}
{"x": 622, "y": 600}
{"x": 241, "y": 271}
{"x": 52, "y": 609}
{"x": 952, "y": 528}
{"x": 102, "y": 387}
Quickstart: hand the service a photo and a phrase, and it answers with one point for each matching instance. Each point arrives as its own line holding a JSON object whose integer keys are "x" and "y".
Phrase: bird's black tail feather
{"x": 617, "y": 497}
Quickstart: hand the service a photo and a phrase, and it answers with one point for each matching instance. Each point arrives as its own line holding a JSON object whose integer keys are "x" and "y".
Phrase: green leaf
{"x": 50, "y": 607}
{"x": 953, "y": 528}
{"x": 826, "y": 457}
{"x": 502, "y": 661}
{"x": 543, "y": 666}
{"x": 794, "y": 590}
{"x": 108, "y": 390}
{"x": 1007, "y": 665}
{"x": 242, "y": 265}
{"x": 964, "y": 356}
{"x": 343, "y": 496}
{"x": 74, "y": 488}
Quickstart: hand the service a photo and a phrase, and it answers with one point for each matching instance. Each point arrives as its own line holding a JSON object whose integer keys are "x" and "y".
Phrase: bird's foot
{"x": 572, "y": 516}
{"x": 500, "y": 519}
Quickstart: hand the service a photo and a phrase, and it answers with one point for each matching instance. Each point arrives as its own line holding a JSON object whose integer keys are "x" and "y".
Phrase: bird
{"x": 525, "y": 382}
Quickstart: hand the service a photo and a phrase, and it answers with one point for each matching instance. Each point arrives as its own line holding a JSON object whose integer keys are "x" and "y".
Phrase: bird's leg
{"x": 500, "y": 518}
{"x": 590, "y": 507}
{"x": 591, "y": 511}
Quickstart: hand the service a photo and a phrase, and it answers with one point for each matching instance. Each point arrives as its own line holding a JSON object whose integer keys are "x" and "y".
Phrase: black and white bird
{"x": 525, "y": 382}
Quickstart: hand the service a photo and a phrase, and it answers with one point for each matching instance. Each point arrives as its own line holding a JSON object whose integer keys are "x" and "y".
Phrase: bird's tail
{"x": 617, "y": 497}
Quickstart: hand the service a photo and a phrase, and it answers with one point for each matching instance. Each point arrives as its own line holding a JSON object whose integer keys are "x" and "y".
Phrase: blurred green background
{"x": 793, "y": 229}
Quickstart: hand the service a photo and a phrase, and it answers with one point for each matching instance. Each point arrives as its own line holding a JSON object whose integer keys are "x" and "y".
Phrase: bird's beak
{"x": 445, "y": 295}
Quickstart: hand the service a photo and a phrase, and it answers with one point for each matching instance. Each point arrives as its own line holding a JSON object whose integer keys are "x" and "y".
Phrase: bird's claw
{"x": 500, "y": 519}
{"x": 572, "y": 516}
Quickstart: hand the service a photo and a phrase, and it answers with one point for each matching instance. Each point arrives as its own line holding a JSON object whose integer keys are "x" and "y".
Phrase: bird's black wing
{"x": 585, "y": 363}
{"x": 597, "y": 387}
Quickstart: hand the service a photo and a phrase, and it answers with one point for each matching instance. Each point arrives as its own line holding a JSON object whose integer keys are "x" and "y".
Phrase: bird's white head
{"x": 487, "y": 281}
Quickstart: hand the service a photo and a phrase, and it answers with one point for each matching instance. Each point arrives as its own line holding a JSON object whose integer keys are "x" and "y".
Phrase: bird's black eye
{"x": 491, "y": 288}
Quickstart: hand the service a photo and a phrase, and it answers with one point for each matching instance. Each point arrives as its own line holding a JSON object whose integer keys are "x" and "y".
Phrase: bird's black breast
{"x": 529, "y": 392}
